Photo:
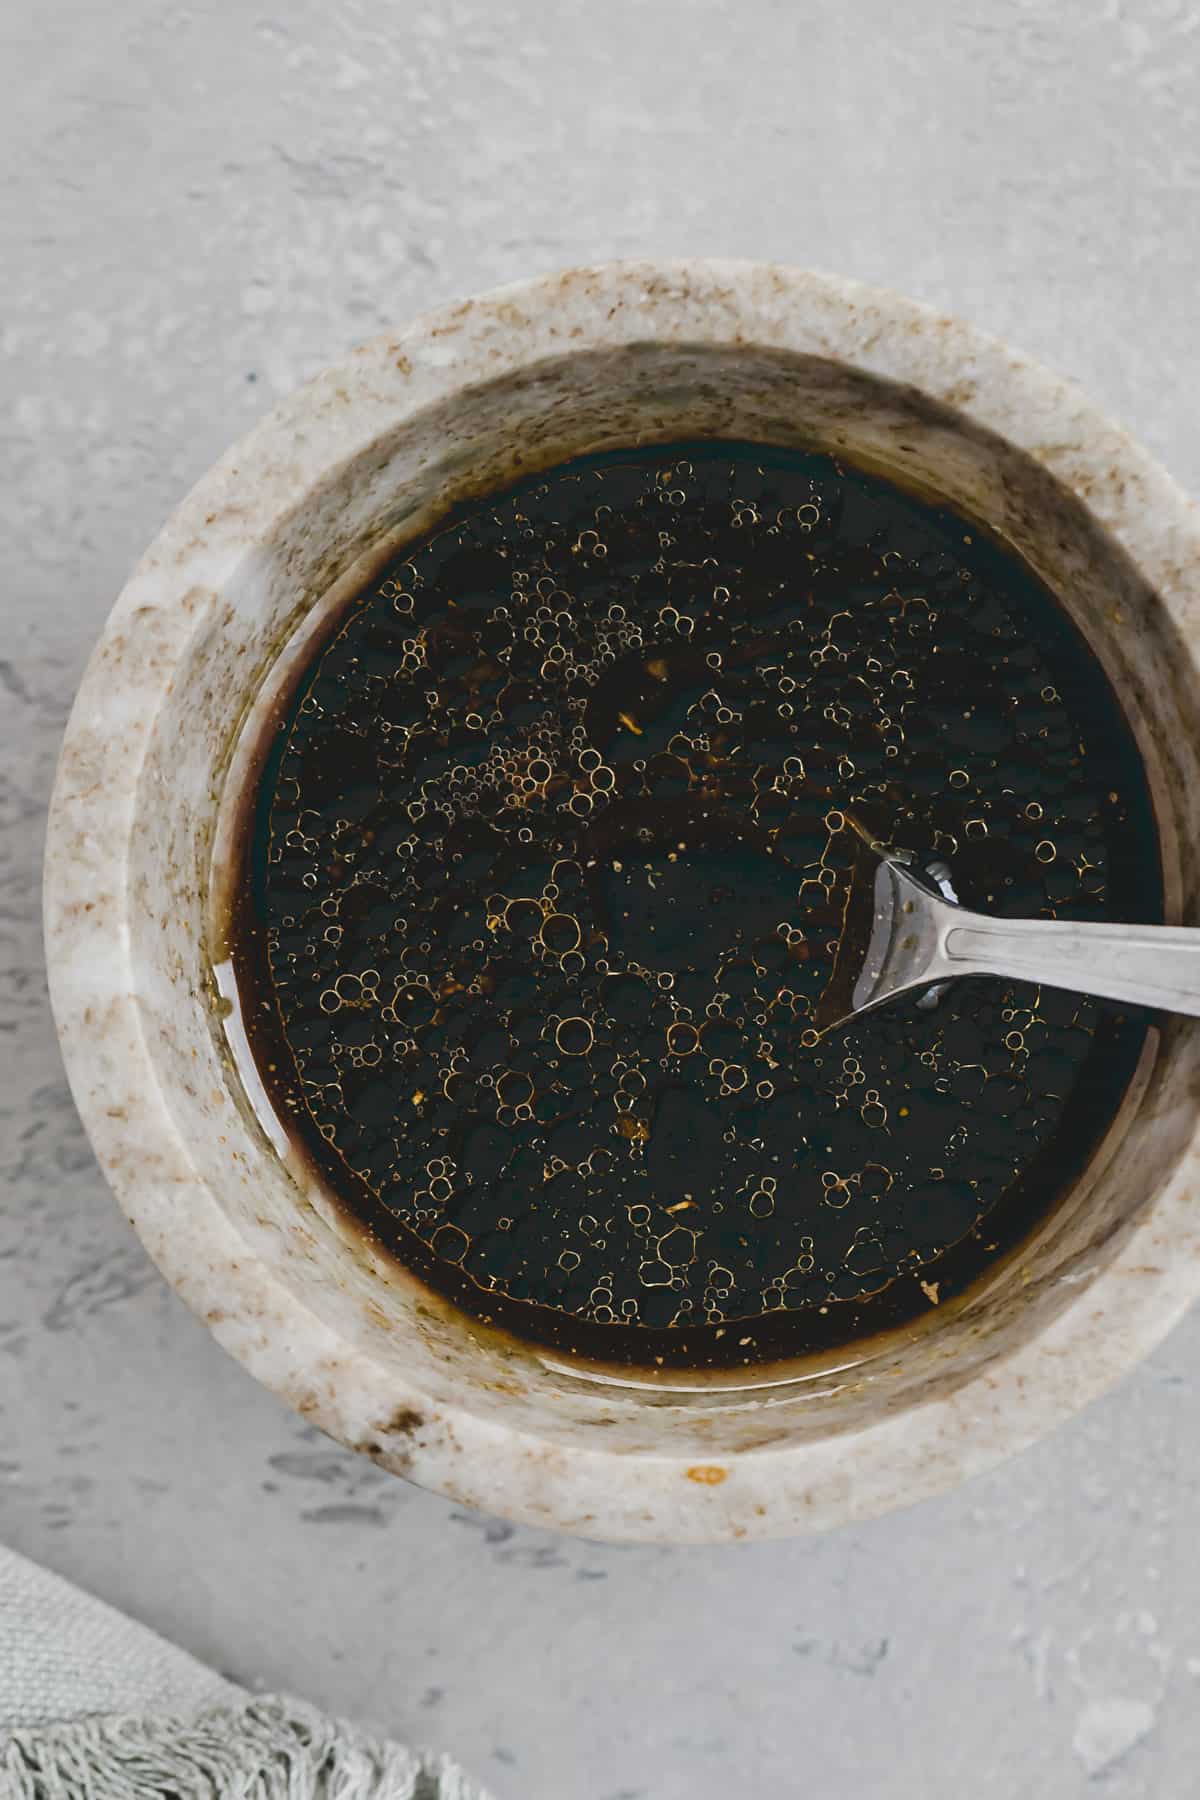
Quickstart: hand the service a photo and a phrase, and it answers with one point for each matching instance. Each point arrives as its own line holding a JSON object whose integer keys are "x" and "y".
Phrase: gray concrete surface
{"x": 201, "y": 203}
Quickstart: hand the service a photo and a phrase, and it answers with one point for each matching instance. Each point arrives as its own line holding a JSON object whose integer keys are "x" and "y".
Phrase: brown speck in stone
{"x": 403, "y": 1423}
{"x": 707, "y": 1474}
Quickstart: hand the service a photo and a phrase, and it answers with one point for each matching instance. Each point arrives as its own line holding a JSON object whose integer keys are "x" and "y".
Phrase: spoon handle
{"x": 1144, "y": 965}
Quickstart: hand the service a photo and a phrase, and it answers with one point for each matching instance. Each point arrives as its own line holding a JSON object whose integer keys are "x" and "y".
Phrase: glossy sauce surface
{"x": 545, "y": 870}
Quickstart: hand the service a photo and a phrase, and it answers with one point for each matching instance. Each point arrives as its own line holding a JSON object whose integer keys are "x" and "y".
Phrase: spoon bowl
{"x": 903, "y": 929}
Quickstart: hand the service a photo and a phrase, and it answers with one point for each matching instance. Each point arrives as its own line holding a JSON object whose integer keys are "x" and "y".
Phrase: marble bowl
{"x": 369, "y": 453}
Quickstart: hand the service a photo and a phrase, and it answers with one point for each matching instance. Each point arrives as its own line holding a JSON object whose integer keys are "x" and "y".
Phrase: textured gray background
{"x": 200, "y": 205}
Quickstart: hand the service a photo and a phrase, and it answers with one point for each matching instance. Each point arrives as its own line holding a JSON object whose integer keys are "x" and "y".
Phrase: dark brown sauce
{"x": 545, "y": 869}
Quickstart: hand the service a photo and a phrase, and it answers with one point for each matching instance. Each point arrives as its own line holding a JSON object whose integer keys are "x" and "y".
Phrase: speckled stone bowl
{"x": 370, "y": 452}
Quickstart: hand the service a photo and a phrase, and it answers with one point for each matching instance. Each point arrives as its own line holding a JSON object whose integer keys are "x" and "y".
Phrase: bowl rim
{"x": 1116, "y": 1317}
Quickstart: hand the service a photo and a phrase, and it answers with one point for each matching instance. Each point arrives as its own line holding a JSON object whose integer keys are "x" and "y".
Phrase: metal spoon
{"x": 901, "y": 933}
